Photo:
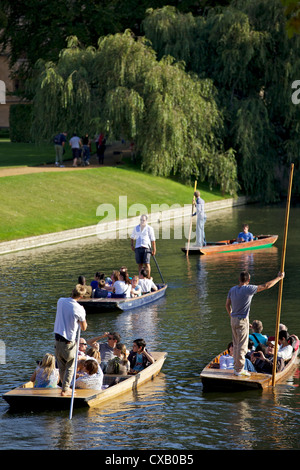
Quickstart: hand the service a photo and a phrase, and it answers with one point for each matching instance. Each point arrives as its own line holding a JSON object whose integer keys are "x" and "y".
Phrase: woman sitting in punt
{"x": 122, "y": 287}
{"x": 46, "y": 374}
{"x": 90, "y": 376}
{"x": 119, "y": 364}
{"x": 146, "y": 282}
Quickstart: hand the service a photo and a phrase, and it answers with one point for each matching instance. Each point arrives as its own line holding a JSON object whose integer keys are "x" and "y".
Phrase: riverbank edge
{"x": 104, "y": 230}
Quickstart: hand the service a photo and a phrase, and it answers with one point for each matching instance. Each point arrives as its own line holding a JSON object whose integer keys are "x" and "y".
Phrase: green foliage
{"x": 245, "y": 50}
{"x": 122, "y": 89}
{"x": 20, "y": 119}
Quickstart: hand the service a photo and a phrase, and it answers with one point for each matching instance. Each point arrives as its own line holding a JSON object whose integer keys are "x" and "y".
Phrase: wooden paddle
{"x": 287, "y": 213}
{"x": 191, "y": 223}
{"x": 75, "y": 370}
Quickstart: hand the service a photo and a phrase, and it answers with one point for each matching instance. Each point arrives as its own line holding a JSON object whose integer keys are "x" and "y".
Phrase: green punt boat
{"x": 232, "y": 246}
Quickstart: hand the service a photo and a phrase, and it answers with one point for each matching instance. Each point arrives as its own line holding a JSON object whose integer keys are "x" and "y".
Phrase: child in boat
{"x": 257, "y": 336}
{"x": 91, "y": 376}
{"x": 110, "y": 281}
{"x": 226, "y": 360}
{"x": 100, "y": 292}
{"x": 119, "y": 364}
{"x": 136, "y": 289}
{"x": 139, "y": 357}
{"x": 97, "y": 277}
{"x": 46, "y": 375}
{"x": 146, "y": 282}
{"x": 82, "y": 281}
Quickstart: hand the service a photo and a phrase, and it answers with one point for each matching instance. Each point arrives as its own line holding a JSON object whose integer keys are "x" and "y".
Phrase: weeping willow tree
{"x": 122, "y": 89}
{"x": 244, "y": 48}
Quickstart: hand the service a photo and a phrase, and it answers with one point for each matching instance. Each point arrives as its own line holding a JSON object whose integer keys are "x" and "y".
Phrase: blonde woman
{"x": 119, "y": 364}
{"x": 46, "y": 375}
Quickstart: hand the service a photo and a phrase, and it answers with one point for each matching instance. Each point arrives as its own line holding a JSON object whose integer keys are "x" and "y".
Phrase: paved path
{"x": 113, "y": 156}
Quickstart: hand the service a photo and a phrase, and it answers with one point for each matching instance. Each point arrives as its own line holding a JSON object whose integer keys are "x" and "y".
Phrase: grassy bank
{"x": 14, "y": 154}
{"x": 36, "y": 204}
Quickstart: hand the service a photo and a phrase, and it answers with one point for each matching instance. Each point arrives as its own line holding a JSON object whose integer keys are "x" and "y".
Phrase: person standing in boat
{"x": 145, "y": 244}
{"x": 245, "y": 235}
{"x": 238, "y": 304}
{"x": 201, "y": 219}
{"x": 69, "y": 315}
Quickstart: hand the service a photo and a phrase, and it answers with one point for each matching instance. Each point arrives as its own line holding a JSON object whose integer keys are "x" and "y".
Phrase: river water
{"x": 190, "y": 323}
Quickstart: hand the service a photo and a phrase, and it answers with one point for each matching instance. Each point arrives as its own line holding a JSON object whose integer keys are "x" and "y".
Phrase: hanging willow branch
{"x": 121, "y": 87}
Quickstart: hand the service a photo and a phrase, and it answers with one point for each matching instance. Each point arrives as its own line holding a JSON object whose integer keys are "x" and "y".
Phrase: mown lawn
{"x": 19, "y": 154}
{"x": 41, "y": 203}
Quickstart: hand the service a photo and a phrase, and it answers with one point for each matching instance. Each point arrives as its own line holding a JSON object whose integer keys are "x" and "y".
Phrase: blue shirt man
{"x": 245, "y": 235}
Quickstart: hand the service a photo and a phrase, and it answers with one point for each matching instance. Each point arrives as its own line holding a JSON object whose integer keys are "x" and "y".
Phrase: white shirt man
{"x": 69, "y": 315}
{"x": 145, "y": 244}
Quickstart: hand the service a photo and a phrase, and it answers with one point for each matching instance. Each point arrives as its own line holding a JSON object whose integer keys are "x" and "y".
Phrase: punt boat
{"x": 93, "y": 305}
{"x": 215, "y": 379}
{"x": 229, "y": 246}
{"x": 28, "y": 398}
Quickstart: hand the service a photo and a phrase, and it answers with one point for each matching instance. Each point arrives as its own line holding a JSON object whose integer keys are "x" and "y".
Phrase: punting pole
{"x": 287, "y": 213}
{"x": 75, "y": 369}
{"x": 191, "y": 223}
{"x": 153, "y": 256}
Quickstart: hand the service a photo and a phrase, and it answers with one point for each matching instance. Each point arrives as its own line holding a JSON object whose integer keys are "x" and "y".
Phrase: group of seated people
{"x": 260, "y": 355}
{"x": 94, "y": 360}
{"x": 119, "y": 284}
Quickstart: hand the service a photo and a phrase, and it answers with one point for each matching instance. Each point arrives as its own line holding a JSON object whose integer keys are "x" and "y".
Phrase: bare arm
{"x": 271, "y": 283}
{"x": 132, "y": 243}
{"x": 83, "y": 325}
{"x": 148, "y": 356}
{"x": 228, "y": 306}
{"x": 33, "y": 377}
{"x": 96, "y": 338}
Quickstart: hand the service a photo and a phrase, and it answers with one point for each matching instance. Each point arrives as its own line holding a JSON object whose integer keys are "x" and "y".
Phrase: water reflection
{"x": 190, "y": 323}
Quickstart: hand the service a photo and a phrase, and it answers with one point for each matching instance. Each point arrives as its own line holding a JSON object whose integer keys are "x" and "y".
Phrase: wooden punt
{"x": 28, "y": 398}
{"x": 230, "y": 246}
{"x": 215, "y": 379}
{"x": 110, "y": 304}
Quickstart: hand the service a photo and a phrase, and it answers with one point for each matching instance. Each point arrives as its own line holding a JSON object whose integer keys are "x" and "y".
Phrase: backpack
{"x": 56, "y": 139}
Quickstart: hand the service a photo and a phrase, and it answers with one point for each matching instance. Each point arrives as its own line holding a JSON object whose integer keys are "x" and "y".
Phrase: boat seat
{"x": 112, "y": 379}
